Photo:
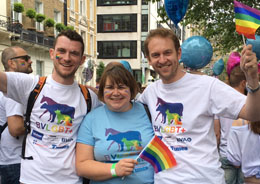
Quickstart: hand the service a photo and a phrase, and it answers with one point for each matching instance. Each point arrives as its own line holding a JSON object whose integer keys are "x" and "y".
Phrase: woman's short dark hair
{"x": 117, "y": 74}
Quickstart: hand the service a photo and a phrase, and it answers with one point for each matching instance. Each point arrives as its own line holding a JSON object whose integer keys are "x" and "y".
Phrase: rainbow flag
{"x": 158, "y": 155}
{"x": 247, "y": 20}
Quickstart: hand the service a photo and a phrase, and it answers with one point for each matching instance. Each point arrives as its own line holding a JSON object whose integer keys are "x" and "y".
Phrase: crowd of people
{"x": 67, "y": 144}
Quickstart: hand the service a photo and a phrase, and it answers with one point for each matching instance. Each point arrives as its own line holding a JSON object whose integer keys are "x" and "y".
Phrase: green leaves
{"x": 215, "y": 20}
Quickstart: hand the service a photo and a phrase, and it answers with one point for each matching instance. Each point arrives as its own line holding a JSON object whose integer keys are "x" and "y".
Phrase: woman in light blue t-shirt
{"x": 112, "y": 136}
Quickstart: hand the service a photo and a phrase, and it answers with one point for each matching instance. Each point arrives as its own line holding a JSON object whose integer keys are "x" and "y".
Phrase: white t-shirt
{"x": 243, "y": 150}
{"x": 55, "y": 119}
{"x": 182, "y": 114}
{"x": 10, "y": 147}
{"x": 225, "y": 125}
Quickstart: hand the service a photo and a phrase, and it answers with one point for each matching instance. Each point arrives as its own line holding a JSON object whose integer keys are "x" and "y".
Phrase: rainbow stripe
{"x": 57, "y": 56}
{"x": 247, "y": 20}
{"x": 158, "y": 155}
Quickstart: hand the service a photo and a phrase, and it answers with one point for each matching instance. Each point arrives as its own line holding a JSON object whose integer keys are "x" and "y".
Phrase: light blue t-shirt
{"x": 119, "y": 135}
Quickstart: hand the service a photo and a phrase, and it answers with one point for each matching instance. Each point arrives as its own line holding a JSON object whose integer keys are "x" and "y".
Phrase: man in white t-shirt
{"x": 183, "y": 105}
{"x": 56, "y": 114}
{"x": 14, "y": 59}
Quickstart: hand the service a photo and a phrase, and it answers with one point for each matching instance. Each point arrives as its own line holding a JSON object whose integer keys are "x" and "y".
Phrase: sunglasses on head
{"x": 26, "y": 57}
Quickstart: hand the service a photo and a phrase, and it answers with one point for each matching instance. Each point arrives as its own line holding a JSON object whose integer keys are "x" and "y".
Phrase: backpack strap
{"x": 87, "y": 96}
{"x": 2, "y": 128}
{"x": 31, "y": 100}
{"x": 147, "y": 112}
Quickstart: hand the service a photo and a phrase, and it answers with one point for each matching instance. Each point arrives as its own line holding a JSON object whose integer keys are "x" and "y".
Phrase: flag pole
{"x": 244, "y": 39}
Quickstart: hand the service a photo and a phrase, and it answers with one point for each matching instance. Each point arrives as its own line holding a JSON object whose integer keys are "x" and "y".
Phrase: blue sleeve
{"x": 85, "y": 134}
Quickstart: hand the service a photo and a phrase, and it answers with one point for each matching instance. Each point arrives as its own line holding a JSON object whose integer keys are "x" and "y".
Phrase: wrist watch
{"x": 250, "y": 90}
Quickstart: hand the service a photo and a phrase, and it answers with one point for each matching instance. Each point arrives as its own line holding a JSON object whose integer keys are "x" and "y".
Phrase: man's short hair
{"x": 236, "y": 76}
{"x": 7, "y": 54}
{"x": 117, "y": 74}
{"x": 164, "y": 33}
{"x": 72, "y": 35}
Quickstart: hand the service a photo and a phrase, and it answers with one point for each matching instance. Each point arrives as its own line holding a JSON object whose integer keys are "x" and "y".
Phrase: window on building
{"x": 57, "y": 19}
{"x": 144, "y": 23}
{"x": 72, "y": 4}
{"x": 39, "y": 9}
{"x": 39, "y": 68}
{"x": 116, "y": 2}
{"x": 83, "y": 35}
{"x": 91, "y": 5}
{"x": 82, "y": 7}
{"x": 117, "y": 23}
{"x": 117, "y": 49}
{"x": 144, "y": 2}
{"x": 16, "y": 16}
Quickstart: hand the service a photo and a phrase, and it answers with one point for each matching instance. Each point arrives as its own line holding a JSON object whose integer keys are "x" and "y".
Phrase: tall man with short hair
{"x": 192, "y": 101}
{"x": 50, "y": 145}
{"x": 14, "y": 59}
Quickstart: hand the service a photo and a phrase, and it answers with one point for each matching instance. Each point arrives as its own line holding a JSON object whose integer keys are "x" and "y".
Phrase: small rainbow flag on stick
{"x": 158, "y": 155}
{"x": 247, "y": 20}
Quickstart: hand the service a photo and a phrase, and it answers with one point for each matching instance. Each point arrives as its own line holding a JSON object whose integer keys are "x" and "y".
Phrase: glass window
{"x": 145, "y": 23}
{"x": 82, "y": 7}
{"x": 39, "y": 68}
{"x": 117, "y": 23}
{"x": 116, "y": 2}
{"x": 72, "y": 4}
{"x": 144, "y": 2}
{"x": 57, "y": 19}
{"x": 117, "y": 49}
{"x": 39, "y": 9}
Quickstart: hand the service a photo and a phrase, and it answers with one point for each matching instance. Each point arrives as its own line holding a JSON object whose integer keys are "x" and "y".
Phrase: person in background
{"x": 237, "y": 80}
{"x": 183, "y": 106}
{"x": 14, "y": 59}
{"x": 243, "y": 149}
{"x": 111, "y": 137}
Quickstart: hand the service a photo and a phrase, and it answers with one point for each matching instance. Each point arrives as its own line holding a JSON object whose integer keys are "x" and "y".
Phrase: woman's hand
{"x": 125, "y": 167}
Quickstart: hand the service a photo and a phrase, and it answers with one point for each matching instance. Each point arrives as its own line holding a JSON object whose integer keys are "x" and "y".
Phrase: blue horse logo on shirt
{"x": 130, "y": 139}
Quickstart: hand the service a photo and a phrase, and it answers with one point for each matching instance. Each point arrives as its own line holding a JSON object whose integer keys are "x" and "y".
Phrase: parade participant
{"x": 14, "y": 59}
{"x": 112, "y": 136}
{"x": 237, "y": 80}
{"x": 183, "y": 106}
{"x": 241, "y": 153}
{"x": 56, "y": 114}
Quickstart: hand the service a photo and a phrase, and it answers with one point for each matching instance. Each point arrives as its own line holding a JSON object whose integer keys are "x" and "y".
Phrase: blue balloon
{"x": 196, "y": 52}
{"x": 256, "y": 45}
{"x": 218, "y": 67}
{"x": 176, "y": 9}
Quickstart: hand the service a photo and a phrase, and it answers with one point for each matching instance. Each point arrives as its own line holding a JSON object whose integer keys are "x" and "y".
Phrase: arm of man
{"x": 3, "y": 82}
{"x": 87, "y": 167}
{"x": 248, "y": 64}
{"x": 16, "y": 125}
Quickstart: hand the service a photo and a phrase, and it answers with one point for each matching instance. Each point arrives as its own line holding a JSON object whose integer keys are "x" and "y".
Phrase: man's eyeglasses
{"x": 26, "y": 57}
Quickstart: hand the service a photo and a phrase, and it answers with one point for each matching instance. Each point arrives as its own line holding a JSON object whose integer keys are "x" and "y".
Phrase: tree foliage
{"x": 215, "y": 20}
{"x": 100, "y": 69}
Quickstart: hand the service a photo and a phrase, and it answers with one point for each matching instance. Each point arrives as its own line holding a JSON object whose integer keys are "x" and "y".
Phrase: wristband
{"x": 113, "y": 170}
{"x": 250, "y": 90}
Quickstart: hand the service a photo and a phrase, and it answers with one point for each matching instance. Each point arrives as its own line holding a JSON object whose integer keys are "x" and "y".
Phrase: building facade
{"x": 81, "y": 14}
{"x": 16, "y": 29}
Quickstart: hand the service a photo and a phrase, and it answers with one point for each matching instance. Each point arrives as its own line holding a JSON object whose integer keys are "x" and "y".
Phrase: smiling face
{"x": 67, "y": 57}
{"x": 117, "y": 96}
{"x": 22, "y": 62}
{"x": 164, "y": 58}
